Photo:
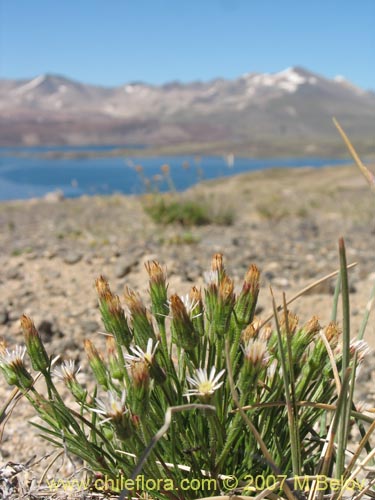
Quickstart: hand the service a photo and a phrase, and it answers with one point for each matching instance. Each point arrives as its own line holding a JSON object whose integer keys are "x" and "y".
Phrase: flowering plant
{"x": 198, "y": 386}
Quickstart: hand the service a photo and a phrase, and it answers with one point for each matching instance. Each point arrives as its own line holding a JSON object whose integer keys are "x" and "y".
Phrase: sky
{"x": 112, "y": 42}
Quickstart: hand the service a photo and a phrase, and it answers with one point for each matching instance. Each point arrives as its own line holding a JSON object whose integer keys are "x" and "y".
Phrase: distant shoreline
{"x": 274, "y": 149}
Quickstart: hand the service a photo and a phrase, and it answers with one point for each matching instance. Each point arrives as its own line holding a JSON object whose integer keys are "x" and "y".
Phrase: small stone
{"x": 269, "y": 275}
{"x": 72, "y": 258}
{"x": 90, "y": 326}
{"x": 4, "y": 316}
{"x": 13, "y": 273}
{"x": 47, "y": 330}
{"x": 52, "y": 275}
{"x": 49, "y": 254}
{"x": 281, "y": 282}
{"x": 123, "y": 269}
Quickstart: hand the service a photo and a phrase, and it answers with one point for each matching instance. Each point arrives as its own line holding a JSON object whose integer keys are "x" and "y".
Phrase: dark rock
{"x": 269, "y": 275}
{"x": 47, "y": 329}
{"x": 4, "y": 316}
{"x": 259, "y": 310}
{"x": 124, "y": 267}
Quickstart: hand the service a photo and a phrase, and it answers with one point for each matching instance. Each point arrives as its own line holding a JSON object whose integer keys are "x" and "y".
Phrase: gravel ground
{"x": 286, "y": 221}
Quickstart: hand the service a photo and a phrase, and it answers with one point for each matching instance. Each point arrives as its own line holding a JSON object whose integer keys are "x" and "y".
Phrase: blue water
{"x": 28, "y": 176}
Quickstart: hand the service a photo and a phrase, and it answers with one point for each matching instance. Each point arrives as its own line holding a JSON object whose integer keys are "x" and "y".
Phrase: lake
{"x": 29, "y": 176}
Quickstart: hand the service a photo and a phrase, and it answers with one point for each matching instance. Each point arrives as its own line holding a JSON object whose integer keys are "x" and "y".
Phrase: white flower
{"x": 113, "y": 408}
{"x": 67, "y": 371}
{"x": 211, "y": 277}
{"x": 359, "y": 347}
{"x": 139, "y": 355}
{"x": 189, "y": 304}
{"x": 13, "y": 358}
{"x": 256, "y": 352}
{"x": 204, "y": 384}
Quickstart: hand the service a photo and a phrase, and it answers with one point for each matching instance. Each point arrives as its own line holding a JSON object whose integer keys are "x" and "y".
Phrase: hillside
{"x": 293, "y": 107}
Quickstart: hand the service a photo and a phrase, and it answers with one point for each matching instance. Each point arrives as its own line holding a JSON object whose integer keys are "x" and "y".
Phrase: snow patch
{"x": 340, "y": 79}
{"x": 129, "y": 89}
{"x": 287, "y": 80}
{"x": 32, "y": 84}
{"x": 291, "y": 75}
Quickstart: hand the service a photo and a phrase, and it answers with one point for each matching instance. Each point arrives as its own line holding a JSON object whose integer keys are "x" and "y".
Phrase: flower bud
{"x": 96, "y": 363}
{"x": 142, "y": 326}
{"x": 196, "y": 310}
{"x": 183, "y": 330}
{"x": 116, "y": 368}
{"x": 332, "y": 332}
{"x": 112, "y": 313}
{"x": 158, "y": 290}
{"x": 139, "y": 390}
{"x": 288, "y": 324}
{"x": 246, "y": 302}
{"x": 34, "y": 345}
{"x": 217, "y": 263}
{"x": 312, "y": 327}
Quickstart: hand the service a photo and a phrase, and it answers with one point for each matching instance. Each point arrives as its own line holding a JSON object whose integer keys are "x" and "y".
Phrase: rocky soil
{"x": 286, "y": 221}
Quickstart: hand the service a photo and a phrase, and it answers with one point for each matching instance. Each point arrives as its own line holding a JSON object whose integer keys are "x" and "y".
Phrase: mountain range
{"x": 292, "y": 106}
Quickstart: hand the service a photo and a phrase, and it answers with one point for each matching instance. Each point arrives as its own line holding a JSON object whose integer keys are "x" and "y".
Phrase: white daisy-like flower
{"x": 189, "y": 304}
{"x": 67, "y": 371}
{"x": 14, "y": 357}
{"x": 256, "y": 352}
{"x": 203, "y": 384}
{"x": 139, "y": 355}
{"x": 361, "y": 348}
{"x": 113, "y": 408}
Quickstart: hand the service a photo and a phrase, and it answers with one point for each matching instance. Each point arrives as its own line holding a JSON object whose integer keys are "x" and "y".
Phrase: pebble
{"x": 124, "y": 267}
{"x": 13, "y": 273}
{"x": 89, "y": 326}
{"x": 48, "y": 329}
{"x": 72, "y": 258}
{"x": 4, "y": 316}
{"x": 281, "y": 282}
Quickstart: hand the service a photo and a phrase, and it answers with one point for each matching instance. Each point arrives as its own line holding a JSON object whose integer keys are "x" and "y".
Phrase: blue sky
{"x": 110, "y": 42}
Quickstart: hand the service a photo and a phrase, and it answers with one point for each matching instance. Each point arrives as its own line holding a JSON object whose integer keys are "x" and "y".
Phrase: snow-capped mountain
{"x": 293, "y": 103}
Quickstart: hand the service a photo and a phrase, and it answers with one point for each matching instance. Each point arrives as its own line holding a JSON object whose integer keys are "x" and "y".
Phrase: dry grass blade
{"x": 332, "y": 360}
{"x": 369, "y": 176}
